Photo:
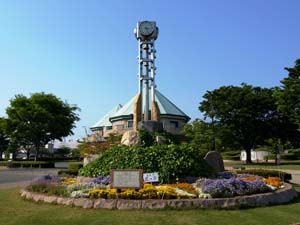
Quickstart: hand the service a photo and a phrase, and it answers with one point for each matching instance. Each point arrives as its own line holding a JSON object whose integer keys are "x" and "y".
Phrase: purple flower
{"x": 221, "y": 188}
{"x": 101, "y": 180}
{"x": 46, "y": 179}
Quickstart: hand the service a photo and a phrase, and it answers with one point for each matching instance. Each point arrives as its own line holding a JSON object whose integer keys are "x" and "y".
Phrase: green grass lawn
{"x": 286, "y": 165}
{"x": 14, "y": 210}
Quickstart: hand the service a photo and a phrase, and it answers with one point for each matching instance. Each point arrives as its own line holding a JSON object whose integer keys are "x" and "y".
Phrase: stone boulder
{"x": 130, "y": 138}
{"x": 215, "y": 160}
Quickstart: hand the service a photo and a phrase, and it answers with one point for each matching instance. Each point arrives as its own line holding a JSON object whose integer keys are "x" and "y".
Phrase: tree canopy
{"x": 288, "y": 95}
{"x": 38, "y": 119}
{"x": 245, "y": 115}
{"x": 4, "y": 140}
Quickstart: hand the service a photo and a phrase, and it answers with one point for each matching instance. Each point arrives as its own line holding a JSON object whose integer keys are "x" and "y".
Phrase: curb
{"x": 284, "y": 195}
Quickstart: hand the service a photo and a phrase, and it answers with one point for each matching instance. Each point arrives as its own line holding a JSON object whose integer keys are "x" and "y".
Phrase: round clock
{"x": 146, "y": 28}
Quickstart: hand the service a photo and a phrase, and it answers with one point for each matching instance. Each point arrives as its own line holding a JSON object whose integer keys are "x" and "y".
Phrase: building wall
{"x": 171, "y": 124}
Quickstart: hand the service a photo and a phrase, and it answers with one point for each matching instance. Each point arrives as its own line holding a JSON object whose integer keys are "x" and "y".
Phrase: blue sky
{"x": 85, "y": 52}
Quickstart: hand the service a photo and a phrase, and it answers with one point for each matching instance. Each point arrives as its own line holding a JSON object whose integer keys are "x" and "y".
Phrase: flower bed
{"x": 279, "y": 196}
{"x": 230, "y": 186}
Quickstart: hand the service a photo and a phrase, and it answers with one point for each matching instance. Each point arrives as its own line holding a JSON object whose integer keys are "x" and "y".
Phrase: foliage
{"x": 171, "y": 161}
{"x": 63, "y": 151}
{"x": 4, "y": 140}
{"x": 3, "y": 163}
{"x": 146, "y": 138}
{"x": 231, "y": 155}
{"x": 48, "y": 188}
{"x": 266, "y": 173}
{"x": 245, "y": 116}
{"x": 89, "y": 148}
{"x": 38, "y": 119}
{"x": 202, "y": 136}
{"x": 289, "y": 156}
{"x": 75, "y": 165}
{"x": 72, "y": 172}
{"x": 288, "y": 96}
{"x": 42, "y": 164}
{"x": 92, "y": 148}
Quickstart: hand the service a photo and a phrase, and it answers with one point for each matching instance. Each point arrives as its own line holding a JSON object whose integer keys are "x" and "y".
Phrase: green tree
{"x": 38, "y": 119}
{"x": 202, "y": 135}
{"x": 288, "y": 95}
{"x": 4, "y": 140}
{"x": 245, "y": 115}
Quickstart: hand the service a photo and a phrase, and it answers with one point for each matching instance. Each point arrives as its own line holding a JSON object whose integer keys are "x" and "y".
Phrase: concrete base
{"x": 150, "y": 126}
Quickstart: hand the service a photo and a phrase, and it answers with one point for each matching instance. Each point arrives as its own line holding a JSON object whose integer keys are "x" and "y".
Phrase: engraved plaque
{"x": 127, "y": 179}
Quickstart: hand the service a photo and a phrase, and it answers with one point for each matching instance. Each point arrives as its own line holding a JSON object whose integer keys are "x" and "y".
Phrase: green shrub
{"x": 231, "y": 155}
{"x": 295, "y": 151}
{"x": 72, "y": 172}
{"x": 170, "y": 161}
{"x": 40, "y": 164}
{"x": 289, "y": 156}
{"x": 267, "y": 173}
{"x": 270, "y": 157}
{"x": 3, "y": 163}
{"x": 75, "y": 165}
{"x": 49, "y": 189}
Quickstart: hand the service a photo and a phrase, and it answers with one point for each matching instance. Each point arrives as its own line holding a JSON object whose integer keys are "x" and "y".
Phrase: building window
{"x": 174, "y": 123}
{"x": 108, "y": 127}
{"x": 129, "y": 123}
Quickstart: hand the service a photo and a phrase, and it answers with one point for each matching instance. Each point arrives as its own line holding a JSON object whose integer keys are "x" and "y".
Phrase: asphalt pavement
{"x": 21, "y": 177}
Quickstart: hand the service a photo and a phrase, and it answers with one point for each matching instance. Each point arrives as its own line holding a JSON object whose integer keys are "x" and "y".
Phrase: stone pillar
{"x": 155, "y": 113}
{"x": 137, "y": 111}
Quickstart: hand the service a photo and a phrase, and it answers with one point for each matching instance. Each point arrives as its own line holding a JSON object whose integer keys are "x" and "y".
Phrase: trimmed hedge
{"x": 267, "y": 173}
{"x": 39, "y": 164}
{"x": 75, "y": 165}
{"x": 231, "y": 155}
{"x": 3, "y": 163}
{"x": 287, "y": 156}
{"x": 170, "y": 161}
{"x": 72, "y": 172}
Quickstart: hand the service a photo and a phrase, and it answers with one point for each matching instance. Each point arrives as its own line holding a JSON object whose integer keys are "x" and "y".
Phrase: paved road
{"x": 20, "y": 177}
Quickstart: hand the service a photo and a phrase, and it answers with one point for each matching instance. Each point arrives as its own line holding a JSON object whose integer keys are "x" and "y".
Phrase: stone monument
{"x": 215, "y": 160}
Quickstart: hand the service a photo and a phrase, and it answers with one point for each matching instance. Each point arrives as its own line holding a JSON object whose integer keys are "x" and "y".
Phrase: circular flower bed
{"x": 96, "y": 192}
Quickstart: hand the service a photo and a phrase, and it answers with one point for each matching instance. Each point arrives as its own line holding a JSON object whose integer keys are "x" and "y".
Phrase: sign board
{"x": 151, "y": 177}
{"x": 121, "y": 179}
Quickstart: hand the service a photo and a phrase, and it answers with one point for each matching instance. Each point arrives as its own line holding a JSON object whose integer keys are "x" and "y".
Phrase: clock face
{"x": 147, "y": 28}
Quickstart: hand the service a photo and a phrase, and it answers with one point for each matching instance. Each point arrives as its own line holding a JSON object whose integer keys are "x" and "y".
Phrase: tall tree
{"x": 288, "y": 95}
{"x": 201, "y": 135}
{"x": 4, "y": 140}
{"x": 40, "y": 118}
{"x": 244, "y": 114}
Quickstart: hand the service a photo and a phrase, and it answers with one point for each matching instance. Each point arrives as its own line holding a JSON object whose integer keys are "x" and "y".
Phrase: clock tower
{"x": 146, "y": 32}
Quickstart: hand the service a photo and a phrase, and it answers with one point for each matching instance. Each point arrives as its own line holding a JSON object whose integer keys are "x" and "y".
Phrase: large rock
{"x": 137, "y": 111}
{"x": 90, "y": 158}
{"x": 215, "y": 160}
{"x": 130, "y": 138}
